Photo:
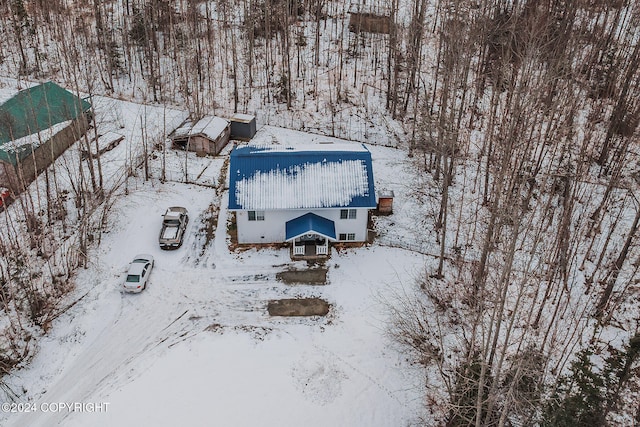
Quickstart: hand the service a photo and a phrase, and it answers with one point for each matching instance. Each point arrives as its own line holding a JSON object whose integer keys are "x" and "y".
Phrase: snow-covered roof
{"x": 209, "y": 126}
{"x": 307, "y": 147}
{"x": 306, "y": 176}
{"x": 136, "y": 268}
{"x": 33, "y": 141}
{"x": 174, "y": 212}
{"x": 243, "y": 117}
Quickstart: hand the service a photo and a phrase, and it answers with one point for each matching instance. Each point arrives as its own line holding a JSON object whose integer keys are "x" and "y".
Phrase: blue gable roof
{"x": 310, "y": 222}
{"x": 302, "y": 177}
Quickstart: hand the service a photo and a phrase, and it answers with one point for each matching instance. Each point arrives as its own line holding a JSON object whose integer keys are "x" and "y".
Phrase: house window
{"x": 347, "y": 236}
{"x": 256, "y": 215}
{"x": 348, "y": 214}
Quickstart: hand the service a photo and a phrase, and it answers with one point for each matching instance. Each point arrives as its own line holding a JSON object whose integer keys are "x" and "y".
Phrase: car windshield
{"x": 133, "y": 278}
{"x": 173, "y": 222}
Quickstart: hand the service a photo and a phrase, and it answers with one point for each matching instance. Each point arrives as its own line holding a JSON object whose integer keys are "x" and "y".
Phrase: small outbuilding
{"x": 369, "y": 19}
{"x": 243, "y": 127}
{"x": 385, "y": 202}
{"x": 208, "y": 135}
{"x": 36, "y": 126}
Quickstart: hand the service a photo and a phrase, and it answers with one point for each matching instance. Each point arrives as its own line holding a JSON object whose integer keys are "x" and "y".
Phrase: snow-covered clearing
{"x": 198, "y": 347}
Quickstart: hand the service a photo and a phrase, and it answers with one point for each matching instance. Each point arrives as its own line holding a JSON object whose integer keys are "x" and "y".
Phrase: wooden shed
{"x": 36, "y": 126}
{"x": 385, "y": 202}
{"x": 208, "y": 135}
{"x": 369, "y": 22}
{"x": 369, "y": 18}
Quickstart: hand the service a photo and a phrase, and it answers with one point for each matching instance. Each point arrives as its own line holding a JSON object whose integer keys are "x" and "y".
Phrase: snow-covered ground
{"x": 198, "y": 347}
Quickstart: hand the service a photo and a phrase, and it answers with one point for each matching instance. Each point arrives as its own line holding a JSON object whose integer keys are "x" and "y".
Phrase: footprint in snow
{"x": 318, "y": 379}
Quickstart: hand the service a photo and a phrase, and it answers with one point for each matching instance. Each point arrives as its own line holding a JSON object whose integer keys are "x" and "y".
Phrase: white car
{"x": 138, "y": 274}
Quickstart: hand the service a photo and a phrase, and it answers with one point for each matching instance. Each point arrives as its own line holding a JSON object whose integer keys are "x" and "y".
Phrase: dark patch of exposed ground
{"x": 298, "y": 307}
{"x": 313, "y": 276}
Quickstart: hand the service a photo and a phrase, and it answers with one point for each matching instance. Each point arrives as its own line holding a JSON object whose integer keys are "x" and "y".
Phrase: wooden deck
{"x": 309, "y": 253}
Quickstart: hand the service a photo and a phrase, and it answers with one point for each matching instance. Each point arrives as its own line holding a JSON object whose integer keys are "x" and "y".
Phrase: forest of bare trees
{"x": 521, "y": 118}
{"x": 528, "y": 128}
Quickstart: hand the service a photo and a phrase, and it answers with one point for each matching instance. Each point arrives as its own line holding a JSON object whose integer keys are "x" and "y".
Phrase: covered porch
{"x": 309, "y": 235}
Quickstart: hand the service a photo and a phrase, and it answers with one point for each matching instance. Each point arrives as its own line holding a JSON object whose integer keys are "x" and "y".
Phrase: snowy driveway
{"x": 198, "y": 348}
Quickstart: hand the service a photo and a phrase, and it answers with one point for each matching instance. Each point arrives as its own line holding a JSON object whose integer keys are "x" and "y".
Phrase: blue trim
{"x": 310, "y": 223}
{"x": 248, "y": 160}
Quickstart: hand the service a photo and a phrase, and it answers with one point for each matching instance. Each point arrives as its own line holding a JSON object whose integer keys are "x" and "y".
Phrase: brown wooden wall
{"x": 369, "y": 23}
{"x": 18, "y": 177}
{"x": 202, "y": 144}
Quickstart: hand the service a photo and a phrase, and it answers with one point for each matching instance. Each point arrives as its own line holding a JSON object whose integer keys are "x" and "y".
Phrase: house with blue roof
{"x": 308, "y": 195}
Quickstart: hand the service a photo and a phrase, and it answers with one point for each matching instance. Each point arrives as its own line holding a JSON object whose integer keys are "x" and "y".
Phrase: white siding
{"x": 273, "y": 228}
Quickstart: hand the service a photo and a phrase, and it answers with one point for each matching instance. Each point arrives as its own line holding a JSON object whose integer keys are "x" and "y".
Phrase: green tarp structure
{"x": 34, "y": 110}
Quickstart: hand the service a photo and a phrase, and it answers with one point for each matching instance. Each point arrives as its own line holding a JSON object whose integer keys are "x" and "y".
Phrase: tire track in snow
{"x": 113, "y": 357}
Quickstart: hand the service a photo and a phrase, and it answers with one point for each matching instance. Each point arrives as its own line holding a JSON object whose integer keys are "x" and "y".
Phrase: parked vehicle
{"x": 174, "y": 224}
{"x": 5, "y": 196}
{"x": 138, "y": 274}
